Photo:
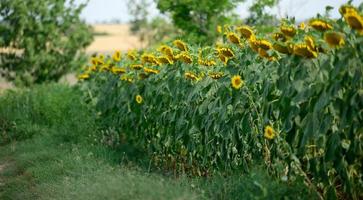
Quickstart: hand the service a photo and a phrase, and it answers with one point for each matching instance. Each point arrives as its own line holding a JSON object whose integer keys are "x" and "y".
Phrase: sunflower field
{"x": 291, "y": 100}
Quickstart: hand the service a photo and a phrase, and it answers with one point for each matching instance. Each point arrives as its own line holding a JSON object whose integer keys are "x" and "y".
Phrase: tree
{"x": 198, "y": 19}
{"x": 48, "y": 36}
{"x": 258, "y": 14}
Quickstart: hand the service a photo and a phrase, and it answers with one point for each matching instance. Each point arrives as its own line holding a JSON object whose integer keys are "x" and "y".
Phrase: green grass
{"x": 48, "y": 150}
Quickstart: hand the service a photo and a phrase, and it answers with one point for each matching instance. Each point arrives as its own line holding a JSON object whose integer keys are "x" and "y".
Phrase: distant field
{"x": 113, "y": 37}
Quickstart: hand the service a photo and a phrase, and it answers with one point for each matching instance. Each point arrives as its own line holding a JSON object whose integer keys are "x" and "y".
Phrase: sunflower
{"x": 132, "y": 55}
{"x": 149, "y": 58}
{"x": 126, "y": 78}
{"x": 354, "y": 20}
{"x": 138, "y": 99}
{"x": 347, "y": 8}
{"x": 136, "y": 66}
{"x": 92, "y": 68}
{"x": 279, "y": 37}
{"x": 151, "y": 71}
{"x": 219, "y": 29}
{"x": 180, "y": 45}
{"x": 168, "y": 51}
{"x": 281, "y": 48}
{"x": 302, "y": 26}
{"x": 223, "y": 58}
{"x": 226, "y": 52}
{"x": 257, "y": 44}
{"x": 185, "y": 57}
{"x": 288, "y": 31}
{"x": 118, "y": 70}
{"x": 191, "y": 76}
{"x": 309, "y": 41}
{"x": 83, "y": 76}
{"x": 334, "y": 39}
{"x": 320, "y": 25}
{"x": 165, "y": 60}
{"x": 237, "y": 82}
{"x": 264, "y": 54}
{"x": 234, "y": 38}
{"x": 94, "y": 61}
{"x": 116, "y": 56}
{"x": 269, "y": 132}
{"x": 216, "y": 75}
{"x": 246, "y": 31}
{"x": 304, "y": 51}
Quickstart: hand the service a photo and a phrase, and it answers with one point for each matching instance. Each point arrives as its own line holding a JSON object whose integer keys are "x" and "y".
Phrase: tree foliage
{"x": 45, "y": 38}
{"x": 198, "y": 19}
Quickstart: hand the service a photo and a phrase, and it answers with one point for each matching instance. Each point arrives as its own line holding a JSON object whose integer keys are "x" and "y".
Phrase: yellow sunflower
{"x": 180, "y": 45}
{"x": 281, "y": 48}
{"x": 237, "y": 82}
{"x": 334, "y": 39}
{"x": 138, "y": 99}
{"x": 216, "y": 75}
{"x": 320, "y": 25}
{"x": 233, "y": 38}
{"x": 219, "y": 29}
{"x": 165, "y": 60}
{"x": 168, "y": 51}
{"x": 226, "y": 52}
{"x": 151, "y": 71}
{"x": 288, "y": 31}
{"x": 354, "y": 20}
{"x": 118, "y": 70}
{"x": 279, "y": 37}
{"x": 185, "y": 57}
{"x": 309, "y": 41}
{"x": 116, "y": 56}
{"x": 269, "y": 132}
{"x": 83, "y": 76}
{"x": 191, "y": 76}
{"x": 304, "y": 51}
{"x": 246, "y": 31}
{"x": 136, "y": 66}
{"x": 132, "y": 55}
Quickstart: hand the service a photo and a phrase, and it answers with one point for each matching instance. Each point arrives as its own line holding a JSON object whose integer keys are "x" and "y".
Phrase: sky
{"x": 106, "y": 10}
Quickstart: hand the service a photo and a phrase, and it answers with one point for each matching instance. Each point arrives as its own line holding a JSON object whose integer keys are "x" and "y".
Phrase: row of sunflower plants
{"x": 291, "y": 100}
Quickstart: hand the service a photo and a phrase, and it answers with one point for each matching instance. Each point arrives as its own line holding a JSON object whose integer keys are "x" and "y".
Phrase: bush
{"x": 44, "y": 39}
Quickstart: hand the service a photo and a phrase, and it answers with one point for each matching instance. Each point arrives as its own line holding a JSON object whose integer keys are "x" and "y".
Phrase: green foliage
{"x": 198, "y": 19}
{"x": 23, "y": 113}
{"x": 47, "y": 35}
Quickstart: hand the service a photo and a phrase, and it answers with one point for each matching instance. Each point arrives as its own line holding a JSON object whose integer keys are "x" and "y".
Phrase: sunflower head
{"x": 246, "y": 31}
{"x": 118, "y": 70}
{"x": 116, "y": 56}
{"x": 281, "y": 48}
{"x": 83, "y": 76}
{"x": 309, "y": 41}
{"x": 233, "y": 38}
{"x": 304, "y": 51}
{"x": 354, "y": 19}
{"x": 185, "y": 57}
{"x": 165, "y": 60}
{"x": 237, "y": 82}
{"x": 320, "y": 25}
{"x": 138, "y": 99}
{"x": 226, "y": 52}
{"x": 132, "y": 55}
{"x": 151, "y": 71}
{"x": 269, "y": 132}
{"x": 216, "y": 75}
{"x": 180, "y": 45}
{"x": 191, "y": 76}
{"x": 334, "y": 39}
{"x": 288, "y": 31}
{"x": 136, "y": 66}
{"x": 279, "y": 37}
{"x": 302, "y": 26}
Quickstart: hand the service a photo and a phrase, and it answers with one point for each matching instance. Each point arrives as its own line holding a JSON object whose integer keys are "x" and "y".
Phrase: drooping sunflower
{"x": 216, "y": 75}
{"x": 320, "y": 25}
{"x": 185, "y": 57}
{"x": 246, "y": 31}
{"x": 191, "y": 76}
{"x": 126, "y": 78}
{"x": 309, "y": 41}
{"x": 334, "y": 39}
{"x": 168, "y": 51}
{"x": 280, "y": 47}
{"x": 288, "y": 31}
{"x": 237, "y": 82}
{"x": 132, "y": 55}
{"x": 269, "y": 132}
{"x": 354, "y": 19}
{"x": 304, "y": 51}
{"x": 226, "y": 52}
{"x": 118, "y": 70}
{"x": 149, "y": 58}
{"x": 138, "y": 99}
{"x": 136, "y": 66}
{"x": 165, "y": 60}
{"x": 180, "y": 45}
{"x": 116, "y": 56}
{"x": 233, "y": 38}
{"x": 83, "y": 76}
{"x": 279, "y": 37}
{"x": 257, "y": 44}
{"x": 151, "y": 71}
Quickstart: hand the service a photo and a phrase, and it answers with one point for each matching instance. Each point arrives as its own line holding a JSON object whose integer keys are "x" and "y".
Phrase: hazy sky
{"x": 106, "y": 10}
